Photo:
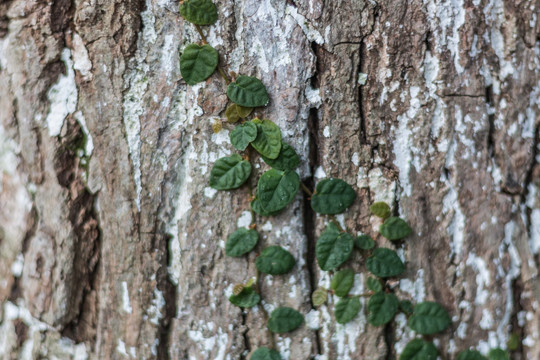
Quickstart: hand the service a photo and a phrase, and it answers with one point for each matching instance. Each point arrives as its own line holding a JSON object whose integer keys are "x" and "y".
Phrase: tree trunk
{"x": 112, "y": 241}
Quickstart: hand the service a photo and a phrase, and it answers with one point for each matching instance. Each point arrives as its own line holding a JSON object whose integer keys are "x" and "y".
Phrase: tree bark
{"x": 112, "y": 241}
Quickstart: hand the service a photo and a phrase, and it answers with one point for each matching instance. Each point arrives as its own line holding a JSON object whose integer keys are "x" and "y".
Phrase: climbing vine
{"x": 277, "y": 188}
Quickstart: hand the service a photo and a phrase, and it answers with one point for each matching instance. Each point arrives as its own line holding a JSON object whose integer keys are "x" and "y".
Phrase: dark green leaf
{"x": 395, "y": 228}
{"x": 276, "y": 189}
{"x": 247, "y": 91}
{"x": 498, "y": 354}
{"x": 246, "y": 298}
{"x": 264, "y": 353}
{"x": 197, "y": 63}
{"x": 419, "y": 349}
{"x": 332, "y": 196}
{"x": 513, "y": 342}
{"x": 236, "y": 112}
{"x": 429, "y": 318}
{"x": 406, "y": 306}
{"x": 319, "y": 296}
{"x": 380, "y": 209}
{"x": 229, "y": 172}
{"x": 199, "y": 12}
{"x": 333, "y": 248}
{"x": 364, "y": 242}
{"x": 385, "y": 263}
{"x": 342, "y": 282}
{"x": 286, "y": 160}
{"x": 284, "y": 319}
{"x": 257, "y": 207}
{"x": 243, "y": 134}
{"x": 268, "y": 140}
{"x": 470, "y": 355}
{"x": 241, "y": 241}
{"x": 374, "y": 284}
{"x": 275, "y": 260}
{"x": 382, "y": 307}
{"x": 346, "y": 309}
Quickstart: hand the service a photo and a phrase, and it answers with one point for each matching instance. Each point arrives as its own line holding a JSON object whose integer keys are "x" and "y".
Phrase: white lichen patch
{"x": 62, "y": 97}
{"x": 456, "y": 229}
{"x": 311, "y": 33}
{"x": 156, "y": 306}
{"x": 214, "y": 345}
{"x": 284, "y": 347}
{"x": 89, "y": 144}
{"x": 245, "y": 219}
{"x": 81, "y": 62}
{"x": 483, "y": 278}
{"x": 126, "y": 305}
{"x": 313, "y": 319}
{"x": 416, "y": 288}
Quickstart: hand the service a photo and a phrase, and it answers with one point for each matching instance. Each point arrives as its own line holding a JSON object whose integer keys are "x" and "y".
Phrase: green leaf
{"x": 268, "y": 140}
{"x": 380, "y": 209}
{"x": 284, "y": 319}
{"x": 241, "y": 242}
{"x": 395, "y": 228}
{"x": 247, "y": 91}
{"x": 498, "y": 354}
{"x": 229, "y": 172}
{"x": 199, "y": 12}
{"x": 264, "y": 353}
{"x": 429, "y": 318}
{"x": 513, "y": 342}
{"x": 346, "y": 309}
{"x": 333, "y": 248}
{"x": 419, "y": 349}
{"x": 243, "y": 134}
{"x": 406, "y": 306}
{"x": 470, "y": 355}
{"x": 342, "y": 282}
{"x": 257, "y": 207}
{"x": 287, "y": 159}
{"x": 364, "y": 242}
{"x": 236, "y": 112}
{"x": 385, "y": 263}
{"x": 332, "y": 196}
{"x": 276, "y": 189}
{"x": 275, "y": 260}
{"x": 246, "y": 298}
{"x": 382, "y": 307}
{"x": 197, "y": 63}
{"x": 374, "y": 284}
{"x": 319, "y": 296}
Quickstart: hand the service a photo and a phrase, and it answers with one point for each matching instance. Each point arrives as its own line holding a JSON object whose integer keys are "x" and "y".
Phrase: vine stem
{"x": 263, "y": 310}
{"x": 205, "y": 41}
{"x": 306, "y": 189}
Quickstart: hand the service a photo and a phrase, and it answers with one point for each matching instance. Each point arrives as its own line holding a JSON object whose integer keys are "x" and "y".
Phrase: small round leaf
{"x": 498, "y": 354}
{"x": 364, "y": 242}
{"x": 346, "y": 309}
{"x": 380, "y": 209}
{"x": 246, "y": 298}
{"x": 229, "y": 172}
{"x": 342, "y": 282}
{"x": 382, "y": 307}
{"x": 235, "y": 112}
{"x": 268, "y": 140}
{"x": 241, "y": 242}
{"x": 470, "y": 355}
{"x": 319, "y": 296}
{"x": 429, "y": 318}
{"x": 276, "y": 189}
{"x": 264, "y": 353}
{"x": 374, "y": 284}
{"x": 243, "y": 134}
{"x": 333, "y": 248}
{"x": 332, "y": 196}
{"x": 385, "y": 263}
{"x": 287, "y": 159}
{"x": 419, "y": 349}
{"x": 284, "y": 319}
{"x": 275, "y": 260}
{"x": 395, "y": 228}
{"x": 199, "y": 12}
{"x": 247, "y": 91}
{"x": 197, "y": 63}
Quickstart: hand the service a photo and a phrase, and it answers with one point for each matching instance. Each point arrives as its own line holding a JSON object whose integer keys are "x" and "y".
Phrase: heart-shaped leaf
{"x": 197, "y": 63}
{"x": 275, "y": 260}
{"x": 470, "y": 355}
{"x": 382, "y": 307}
{"x": 342, "y": 282}
{"x": 319, "y": 296}
{"x": 276, "y": 189}
{"x": 333, "y": 248}
{"x": 406, "y": 306}
{"x": 419, "y": 349}
{"x": 395, "y": 228}
{"x": 246, "y": 298}
{"x": 229, "y": 172}
{"x": 243, "y": 134}
{"x": 332, "y": 196}
{"x": 385, "y": 263}
{"x": 287, "y": 159}
{"x": 247, "y": 91}
{"x": 364, "y": 242}
{"x": 380, "y": 209}
{"x": 284, "y": 319}
{"x": 498, "y": 354}
{"x": 199, "y": 12}
{"x": 429, "y": 318}
{"x": 374, "y": 284}
{"x": 268, "y": 140}
{"x": 346, "y": 309}
{"x": 235, "y": 112}
{"x": 264, "y": 353}
{"x": 241, "y": 242}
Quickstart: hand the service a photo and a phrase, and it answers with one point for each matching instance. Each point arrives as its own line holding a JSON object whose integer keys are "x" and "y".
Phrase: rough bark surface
{"x": 112, "y": 243}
